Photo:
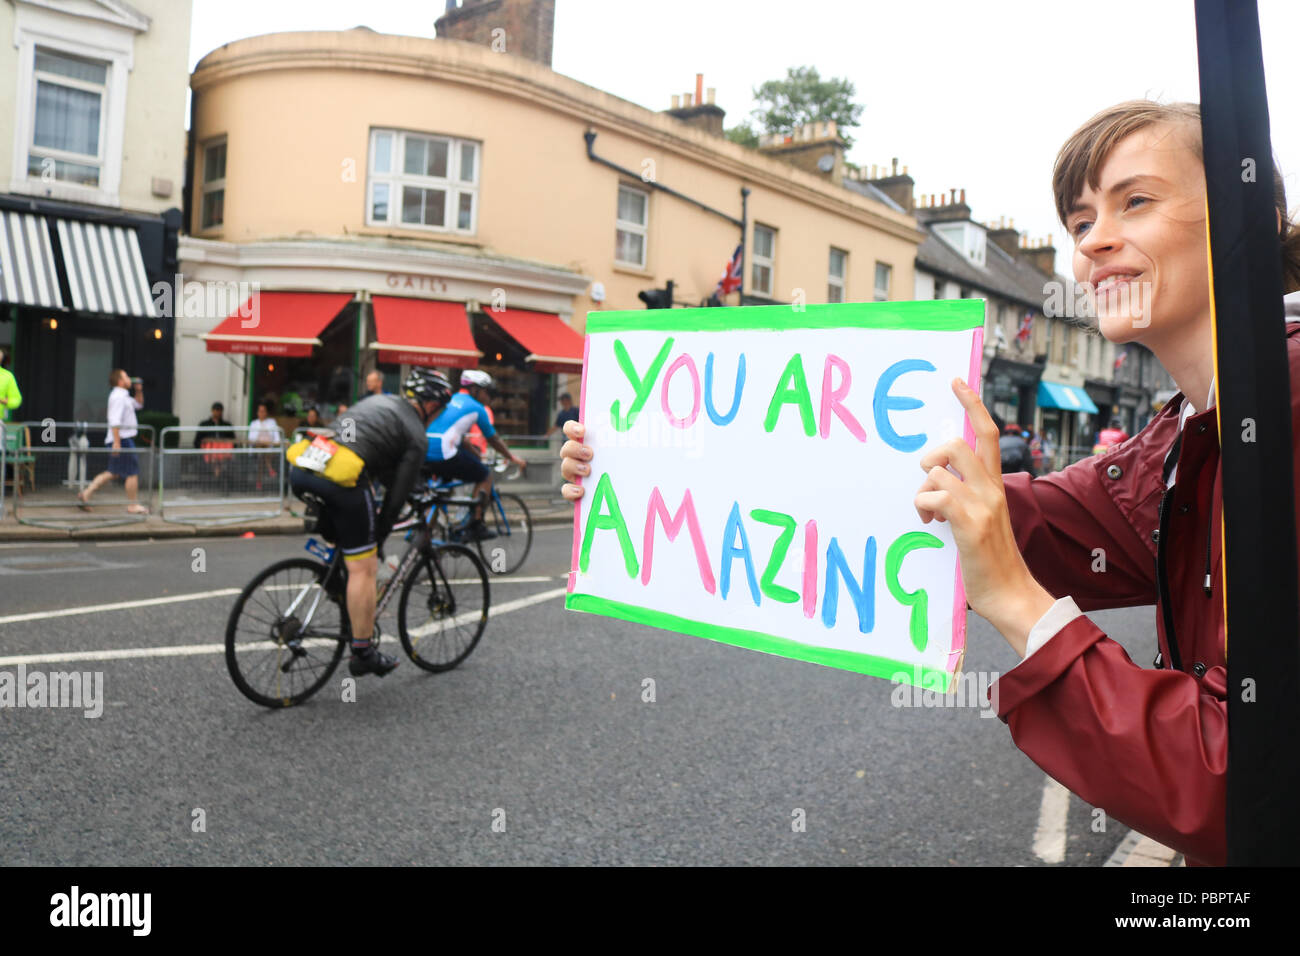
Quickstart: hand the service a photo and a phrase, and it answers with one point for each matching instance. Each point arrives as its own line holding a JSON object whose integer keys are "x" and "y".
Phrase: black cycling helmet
{"x": 427, "y": 386}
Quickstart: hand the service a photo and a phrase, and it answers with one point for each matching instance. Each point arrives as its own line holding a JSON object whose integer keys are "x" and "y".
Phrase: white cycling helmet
{"x": 474, "y": 376}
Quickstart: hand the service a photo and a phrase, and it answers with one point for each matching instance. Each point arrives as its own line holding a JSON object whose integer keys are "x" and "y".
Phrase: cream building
{"x": 470, "y": 206}
{"x": 92, "y": 168}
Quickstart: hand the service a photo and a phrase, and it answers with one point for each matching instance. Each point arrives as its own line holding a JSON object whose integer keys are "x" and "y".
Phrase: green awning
{"x": 1065, "y": 397}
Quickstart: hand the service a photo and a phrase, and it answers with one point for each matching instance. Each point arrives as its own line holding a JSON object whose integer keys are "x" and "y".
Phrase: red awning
{"x": 423, "y": 332}
{"x": 552, "y": 345}
{"x": 278, "y": 323}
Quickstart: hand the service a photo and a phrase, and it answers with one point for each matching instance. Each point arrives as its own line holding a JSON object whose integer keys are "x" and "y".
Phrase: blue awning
{"x": 1066, "y": 397}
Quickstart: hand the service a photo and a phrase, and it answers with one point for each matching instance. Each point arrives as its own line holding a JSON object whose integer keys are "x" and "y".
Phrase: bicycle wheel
{"x": 443, "y": 607}
{"x": 285, "y": 634}
{"x": 509, "y": 518}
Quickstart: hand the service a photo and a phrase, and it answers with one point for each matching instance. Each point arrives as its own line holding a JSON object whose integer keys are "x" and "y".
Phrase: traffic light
{"x": 658, "y": 298}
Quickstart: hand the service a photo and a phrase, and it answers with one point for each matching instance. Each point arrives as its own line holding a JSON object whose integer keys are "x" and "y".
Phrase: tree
{"x": 744, "y": 134}
{"x": 804, "y": 97}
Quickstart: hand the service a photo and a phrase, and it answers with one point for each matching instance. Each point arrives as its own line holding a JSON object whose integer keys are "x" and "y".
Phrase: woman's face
{"x": 1140, "y": 237}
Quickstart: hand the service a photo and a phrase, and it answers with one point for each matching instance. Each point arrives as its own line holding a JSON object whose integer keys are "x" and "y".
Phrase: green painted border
{"x": 938, "y": 315}
{"x": 868, "y": 664}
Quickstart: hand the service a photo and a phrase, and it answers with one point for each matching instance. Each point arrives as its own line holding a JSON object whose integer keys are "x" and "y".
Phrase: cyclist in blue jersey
{"x": 449, "y": 457}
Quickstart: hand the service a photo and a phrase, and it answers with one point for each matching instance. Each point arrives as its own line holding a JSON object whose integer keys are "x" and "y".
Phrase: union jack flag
{"x": 731, "y": 275}
{"x": 1026, "y": 326}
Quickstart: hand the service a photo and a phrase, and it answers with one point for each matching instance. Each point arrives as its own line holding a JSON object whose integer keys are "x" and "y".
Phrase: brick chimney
{"x": 814, "y": 147}
{"x": 897, "y": 186}
{"x": 694, "y": 111}
{"x": 941, "y": 208}
{"x": 1005, "y": 236}
{"x": 523, "y": 28}
{"x": 1039, "y": 253}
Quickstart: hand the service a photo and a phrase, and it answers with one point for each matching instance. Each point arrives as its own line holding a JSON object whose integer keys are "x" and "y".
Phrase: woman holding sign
{"x": 1148, "y": 746}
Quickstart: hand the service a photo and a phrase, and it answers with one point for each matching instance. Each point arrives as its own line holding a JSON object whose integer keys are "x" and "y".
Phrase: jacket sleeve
{"x": 404, "y": 477}
{"x": 1075, "y": 541}
{"x": 13, "y": 398}
{"x": 1149, "y": 747}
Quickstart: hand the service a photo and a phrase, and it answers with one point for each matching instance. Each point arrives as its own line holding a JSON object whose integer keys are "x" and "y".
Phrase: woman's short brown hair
{"x": 1087, "y": 149}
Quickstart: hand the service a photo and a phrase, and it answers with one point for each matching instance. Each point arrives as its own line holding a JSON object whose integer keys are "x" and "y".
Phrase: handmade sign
{"x": 753, "y": 475}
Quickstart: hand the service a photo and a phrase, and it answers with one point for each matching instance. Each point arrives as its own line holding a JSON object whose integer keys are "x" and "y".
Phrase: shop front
{"x": 1065, "y": 419}
{"x": 380, "y": 310}
{"x": 1011, "y": 390}
{"x": 76, "y": 302}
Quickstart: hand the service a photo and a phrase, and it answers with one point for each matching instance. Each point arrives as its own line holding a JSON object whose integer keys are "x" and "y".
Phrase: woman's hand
{"x": 998, "y": 584}
{"x": 574, "y": 460}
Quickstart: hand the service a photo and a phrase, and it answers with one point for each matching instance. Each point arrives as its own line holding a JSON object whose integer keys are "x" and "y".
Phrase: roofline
{"x": 470, "y": 64}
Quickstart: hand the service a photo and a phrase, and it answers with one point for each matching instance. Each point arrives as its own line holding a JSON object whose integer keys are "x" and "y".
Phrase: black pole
{"x": 590, "y": 137}
{"x": 1262, "y": 613}
{"x": 744, "y": 234}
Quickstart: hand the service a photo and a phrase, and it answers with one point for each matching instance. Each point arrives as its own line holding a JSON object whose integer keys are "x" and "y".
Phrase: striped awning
{"x": 105, "y": 269}
{"x": 27, "y": 271}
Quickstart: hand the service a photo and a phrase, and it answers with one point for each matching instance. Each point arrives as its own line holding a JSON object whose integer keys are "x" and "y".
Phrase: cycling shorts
{"x": 463, "y": 466}
{"x": 351, "y": 511}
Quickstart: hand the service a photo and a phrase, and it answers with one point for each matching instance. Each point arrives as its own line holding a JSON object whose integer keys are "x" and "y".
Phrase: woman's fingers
{"x": 574, "y": 469}
{"x": 574, "y": 430}
{"x": 938, "y": 495}
{"x": 957, "y": 453}
{"x": 571, "y": 492}
{"x": 986, "y": 433}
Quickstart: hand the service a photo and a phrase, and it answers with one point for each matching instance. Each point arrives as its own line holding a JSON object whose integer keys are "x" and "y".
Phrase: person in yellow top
{"x": 10, "y": 397}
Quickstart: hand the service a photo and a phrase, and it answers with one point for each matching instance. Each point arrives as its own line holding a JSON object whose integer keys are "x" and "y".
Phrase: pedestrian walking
{"x": 122, "y": 429}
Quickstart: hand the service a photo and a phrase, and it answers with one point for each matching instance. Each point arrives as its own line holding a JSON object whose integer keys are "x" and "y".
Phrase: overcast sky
{"x": 966, "y": 94}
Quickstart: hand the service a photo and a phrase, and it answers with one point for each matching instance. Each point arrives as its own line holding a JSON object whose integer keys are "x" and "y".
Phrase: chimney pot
{"x": 963, "y": 195}
{"x": 686, "y": 99}
{"x": 677, "y": 101}
{"x": 699, "y": 88}
{"x": 904, "y": 170}
{"x": 952, "y": 196}
{"x": 712, "y": 94}
{"x": 894, "y": 166}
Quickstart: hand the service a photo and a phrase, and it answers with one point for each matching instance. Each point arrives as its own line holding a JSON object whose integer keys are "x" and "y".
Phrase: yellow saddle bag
{"x": 327, "y": 458}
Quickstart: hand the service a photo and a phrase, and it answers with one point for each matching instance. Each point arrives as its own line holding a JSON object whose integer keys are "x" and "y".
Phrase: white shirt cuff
{"x": 1058, "y": 615}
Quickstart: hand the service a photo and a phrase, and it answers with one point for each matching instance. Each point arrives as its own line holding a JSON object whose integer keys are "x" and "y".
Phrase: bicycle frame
{"x": 419, "y": 542}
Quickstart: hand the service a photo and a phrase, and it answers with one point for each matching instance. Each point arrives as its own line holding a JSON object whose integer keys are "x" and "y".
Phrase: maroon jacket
{"x": 1148, "y": 746}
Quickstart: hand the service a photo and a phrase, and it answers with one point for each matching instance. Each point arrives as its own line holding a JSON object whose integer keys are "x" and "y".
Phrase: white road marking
{"x": 118, "y": 606}
{"x": 28, "y": 545}
{"x": 460, "y": 620}
{"x": 189, "y": 650}
{"x": 1049, "y": 838}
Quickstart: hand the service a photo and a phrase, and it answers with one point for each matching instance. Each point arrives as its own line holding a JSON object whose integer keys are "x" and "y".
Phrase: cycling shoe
{"x": 371, "y": 661}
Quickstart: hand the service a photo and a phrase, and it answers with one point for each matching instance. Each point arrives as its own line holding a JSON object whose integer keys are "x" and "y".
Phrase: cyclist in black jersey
{"x": 380, "y": 440}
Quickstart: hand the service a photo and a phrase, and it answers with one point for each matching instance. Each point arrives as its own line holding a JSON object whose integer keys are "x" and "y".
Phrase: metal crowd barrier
{"x": 207, "y": 477}
{"x": 57, "y": 460}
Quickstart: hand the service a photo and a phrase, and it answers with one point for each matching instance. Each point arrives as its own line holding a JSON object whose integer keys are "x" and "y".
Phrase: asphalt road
{"x": 543, "y": 732}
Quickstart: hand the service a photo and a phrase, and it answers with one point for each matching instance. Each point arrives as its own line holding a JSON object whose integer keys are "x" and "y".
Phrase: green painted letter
{"x": 794, "y": 393}
{"x": 641, "y": 387}
{"x": 787, "y": 524}
{"x": 918, "y": 599}
{"x": 604, "y": 495}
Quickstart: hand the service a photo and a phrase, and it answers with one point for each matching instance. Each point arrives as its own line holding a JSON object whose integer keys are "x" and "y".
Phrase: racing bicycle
{"x": 506, "y": 516}
{"x": 289, "y": 627}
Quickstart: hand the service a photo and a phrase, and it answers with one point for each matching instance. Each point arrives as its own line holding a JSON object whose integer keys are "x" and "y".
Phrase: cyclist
{"x": 475, "y": 378}
{"x": 448, "y": 456}
{"x": 380, "y": 439}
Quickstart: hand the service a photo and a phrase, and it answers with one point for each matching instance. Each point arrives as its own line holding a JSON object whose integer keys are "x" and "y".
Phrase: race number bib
{"x": 317, "y": 455}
